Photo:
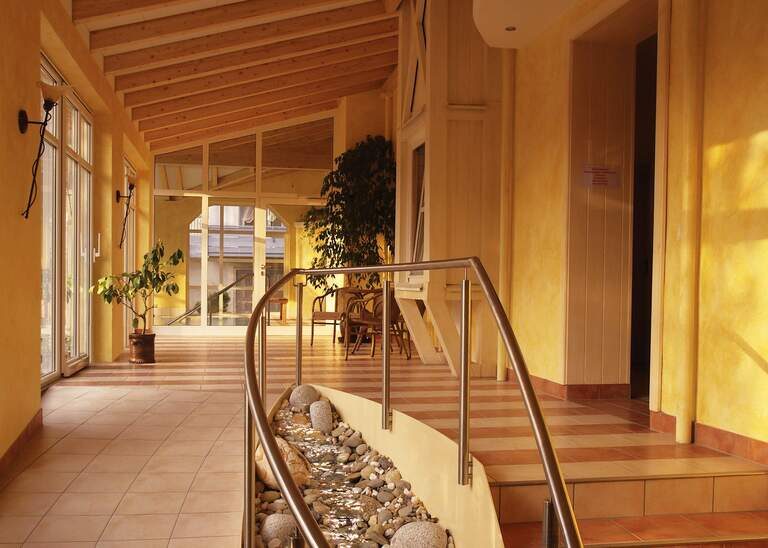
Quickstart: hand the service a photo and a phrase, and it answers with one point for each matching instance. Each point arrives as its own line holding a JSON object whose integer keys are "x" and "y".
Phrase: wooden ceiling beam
{"x": 202, "y": 123}
{"x": 305, "y": 137}
{"x": 90, "y": 10}
{"x": 259, "y": 72}
{"x": 227, "y": 17}
{"x": 235, "y": 176}
{"x": 392, "y": 6}
{"x": 189, "y": 139}
{"x": 207, "y": 102}
{"x": 315, "y": 23}
{"x": 258, "y": 55}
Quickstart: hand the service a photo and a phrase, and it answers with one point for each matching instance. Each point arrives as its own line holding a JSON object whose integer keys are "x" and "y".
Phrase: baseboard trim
{"x": 661, "y": 422}
{"x": 33, "y": 426}
{"x": 731, "y": 443}
{"x": 580, "y": 391}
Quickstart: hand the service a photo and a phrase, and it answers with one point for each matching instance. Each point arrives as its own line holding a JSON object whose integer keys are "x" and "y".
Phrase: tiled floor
{"x": 153, "y": 454}
{"x": 724, "y": 529}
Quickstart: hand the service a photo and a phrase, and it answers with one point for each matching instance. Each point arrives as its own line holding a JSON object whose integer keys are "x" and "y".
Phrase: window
{"x": 417, "y": 205}
{"x": 66, "y": 234}
{"x": 49, "y": 209}
{"x": 76, "y": 238}
{"x": 128, "y": 237}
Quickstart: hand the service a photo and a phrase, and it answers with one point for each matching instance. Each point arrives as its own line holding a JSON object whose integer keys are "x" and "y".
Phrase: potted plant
{"x": 356, "y": 226}
{"x": 135, "y": 290}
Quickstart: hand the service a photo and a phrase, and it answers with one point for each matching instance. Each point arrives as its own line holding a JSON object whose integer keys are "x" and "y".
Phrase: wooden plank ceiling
{"x": 194, "y": 70}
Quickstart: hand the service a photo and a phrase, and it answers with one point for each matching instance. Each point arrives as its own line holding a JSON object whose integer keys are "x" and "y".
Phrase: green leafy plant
{"x": 356, "y": 226}
{"x": 135, "y": 290}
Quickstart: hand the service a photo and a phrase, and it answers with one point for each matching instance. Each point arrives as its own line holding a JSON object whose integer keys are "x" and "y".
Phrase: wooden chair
{"x": 366, "y": 318}
{"x": 322, "y": 316}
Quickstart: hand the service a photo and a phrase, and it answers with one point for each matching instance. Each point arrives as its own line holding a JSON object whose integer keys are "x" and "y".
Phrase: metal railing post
{"x": 299, "y": 320}
{"x": 263, "y": 357}
{"x": 549, "y": 525}
{"x": 465, "y": 460}
{"x": 386, "y": 412}
{"x": 248, "y": 530}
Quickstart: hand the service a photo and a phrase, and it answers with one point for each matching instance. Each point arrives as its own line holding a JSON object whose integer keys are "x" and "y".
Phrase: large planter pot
{"x": 141, "y": 347}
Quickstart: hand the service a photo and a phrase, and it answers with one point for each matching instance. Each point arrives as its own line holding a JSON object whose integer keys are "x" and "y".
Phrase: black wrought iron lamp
{"x": 51, "y": 95}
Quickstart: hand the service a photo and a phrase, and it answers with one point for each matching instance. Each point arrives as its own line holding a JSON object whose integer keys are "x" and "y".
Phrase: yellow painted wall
{"x": 33, "y": 26}
{"x": 733, "y": 307}
{"x": 539, "y": 210}
{"x": 20, "y": 239}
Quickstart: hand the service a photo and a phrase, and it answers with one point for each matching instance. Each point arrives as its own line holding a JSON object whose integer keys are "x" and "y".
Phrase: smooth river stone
{"x": 322, "y": 416}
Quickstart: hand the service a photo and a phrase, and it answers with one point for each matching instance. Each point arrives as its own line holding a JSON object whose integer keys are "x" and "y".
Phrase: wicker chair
{"x": 322, "y": 316}
{"x": 365, "y": 318}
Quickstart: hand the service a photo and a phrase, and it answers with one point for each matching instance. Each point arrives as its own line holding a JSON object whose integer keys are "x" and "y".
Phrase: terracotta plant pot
{"x": 142, "y": 347}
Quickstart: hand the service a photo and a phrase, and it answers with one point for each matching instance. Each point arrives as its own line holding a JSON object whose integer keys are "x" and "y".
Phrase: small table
{"x": 283, "y": 302}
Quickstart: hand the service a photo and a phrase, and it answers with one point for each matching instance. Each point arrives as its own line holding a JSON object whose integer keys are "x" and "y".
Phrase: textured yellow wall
{"x": 539, "y": 211}
{"x": 20, "y": 239}
{"x": 733, "y": 310}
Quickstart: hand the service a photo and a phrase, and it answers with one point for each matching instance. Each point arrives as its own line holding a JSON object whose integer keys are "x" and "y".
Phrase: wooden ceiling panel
{"x": 205, "y": 21}
{"x": 285, "y": 49}
{"x": 165, "y": 54}
{"x": 232, "y": 95}
{"x": 192, "y": 71}
{"x": 256, "y": 112}
{"x": 187, "y": 139}
{"x": 259, "y": 72}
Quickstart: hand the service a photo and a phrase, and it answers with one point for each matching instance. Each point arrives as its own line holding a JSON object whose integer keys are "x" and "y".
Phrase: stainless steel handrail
{"x": 257, "y": 416}
{"x": 211, "y": 298}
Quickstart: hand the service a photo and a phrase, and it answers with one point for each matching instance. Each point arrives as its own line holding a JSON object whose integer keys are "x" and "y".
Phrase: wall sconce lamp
{"x": 127, "y": 198}
{"x": 51, "y": 95}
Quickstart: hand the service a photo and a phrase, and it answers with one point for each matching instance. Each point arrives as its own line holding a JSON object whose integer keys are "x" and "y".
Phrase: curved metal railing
{"x": 255, "y": 396}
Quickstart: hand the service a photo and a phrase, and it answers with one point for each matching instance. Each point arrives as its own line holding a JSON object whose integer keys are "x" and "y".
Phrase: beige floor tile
{"x": 741, "y": 493}
{"x": 61, "y": 463}
{"x": 86, "y": 504}
{"x": 223, "y": 463}
{"x": 26, "y": 504}
{"x": 207, "y": 542}
{"x": 41, "y": 482}
{"x": 208, "y": 525}
{"x": 113, "y": 418}
{"x": 227, "y": 447}
{"x": 68, "y": 417}
{"x": 608, "y": 499}
{"x": 117, "y": 463}
{"x": 219, "y": 408}
{"x": 132, "y": 447}
{"x": 186, "y": 448}
{"x": 85, "y": 404}
{"x": 232, "y": 434}
{"x": 76, "y": 446}
{"x": 130, "y": 406}
{"x": 217, "y": 481}
{"x": 196, "y": 433}
{"x": 16, "y": 528}
{"x": 155, "y": 543}
{"x": 58, "y": 545}
{"x": 172, "y": 463}
{"x": 175, "y": 407}
{"x": 113, "y": 482}
{"x": 187, "y": 396}
{"x": 150, "y": 503}
{"x": 151, "y": 433}
{"x": 162, "y": 483}
{"x": 158, "y": 526}
{"x": 208, "y": 420}
{"x": 96, "y": 431}
{"x": 69, "y": 529}
{"x": 150, "y": 394}
{"x": 198, "y": 502}
{"x": 160, "y": 419}
{"x": 678, "y": 496}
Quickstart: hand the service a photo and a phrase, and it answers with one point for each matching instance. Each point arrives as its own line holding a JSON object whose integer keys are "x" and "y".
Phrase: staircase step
{"x": 742, "y": 529}
{"x": 652, "y": 496}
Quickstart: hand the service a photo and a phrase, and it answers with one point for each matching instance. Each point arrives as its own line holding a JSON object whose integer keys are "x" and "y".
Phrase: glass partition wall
{"x": 65, "y": 196}
{"x": 231, "y": 206}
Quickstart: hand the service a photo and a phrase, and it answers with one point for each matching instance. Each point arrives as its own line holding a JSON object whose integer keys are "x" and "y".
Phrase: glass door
{"x": 233, "y": 269}
{"x": 76, "y": 237}
{"x": 128, "y": 238}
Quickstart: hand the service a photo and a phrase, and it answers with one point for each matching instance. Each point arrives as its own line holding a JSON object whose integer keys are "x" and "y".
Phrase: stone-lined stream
{"x": 356, "y": 494}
